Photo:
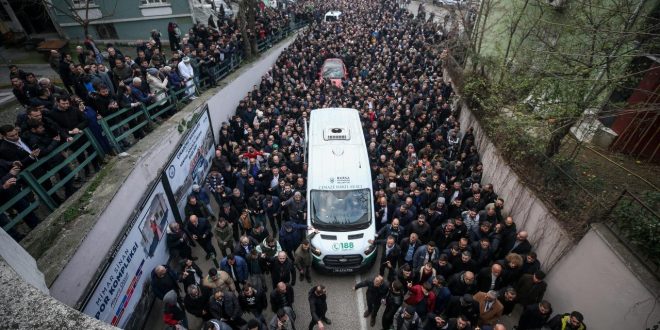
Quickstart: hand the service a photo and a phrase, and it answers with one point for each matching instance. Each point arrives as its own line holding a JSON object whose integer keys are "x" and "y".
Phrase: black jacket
{"x": 11, "y": 153}
{"x": 195, "y": 306}
{"x": 374, "y": 294}
{"x": 256, "y": 302}
{"x": 470, "y": 310}
{"x": 230, "y": 308}
{"x": 458, "y": 287}
{"x": 317, "y": 305}
{"x": 68, "y": 119}
{"x": 278, "y": 300}
{"x": 531, "y": 318}
{"x": 282, "y": 272}
{"x": 202, "y": 228}
{"x": 485, "y": 278}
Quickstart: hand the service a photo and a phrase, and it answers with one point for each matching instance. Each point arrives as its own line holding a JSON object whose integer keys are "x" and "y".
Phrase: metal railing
{"x": 35, "y": 192}
{"x": 34, "y": 182}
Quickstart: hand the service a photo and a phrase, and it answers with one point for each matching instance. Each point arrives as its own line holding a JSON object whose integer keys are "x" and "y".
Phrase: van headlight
{"x": 370, "y": 249}
{"x": 315, "y": 251}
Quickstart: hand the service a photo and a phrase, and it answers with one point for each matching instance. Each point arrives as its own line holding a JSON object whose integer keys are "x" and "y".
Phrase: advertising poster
{"x": 192, "y": 161}
{"x": 144, "y": 247}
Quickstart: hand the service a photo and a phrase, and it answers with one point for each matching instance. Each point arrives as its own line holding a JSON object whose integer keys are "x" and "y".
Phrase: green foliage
{"x": 640, "y": 225}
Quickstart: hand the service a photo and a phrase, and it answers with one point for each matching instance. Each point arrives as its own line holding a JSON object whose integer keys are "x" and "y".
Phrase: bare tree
{"x": 81, "y": 11}
{"x": 247, "y": 13}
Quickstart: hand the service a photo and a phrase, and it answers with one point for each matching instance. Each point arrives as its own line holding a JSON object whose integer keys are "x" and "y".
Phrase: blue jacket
{"x": 240, "y": 267}
{"x": 290, "y": 240}
{"x": 140, "y": 95}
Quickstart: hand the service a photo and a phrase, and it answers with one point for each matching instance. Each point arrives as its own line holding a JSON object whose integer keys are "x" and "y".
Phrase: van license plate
{"x": 343, "y": 270}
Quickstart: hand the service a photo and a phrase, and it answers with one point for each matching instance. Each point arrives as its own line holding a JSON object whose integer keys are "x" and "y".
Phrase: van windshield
{"x": 331, "y": 18}
{"x": 341, "y": 208}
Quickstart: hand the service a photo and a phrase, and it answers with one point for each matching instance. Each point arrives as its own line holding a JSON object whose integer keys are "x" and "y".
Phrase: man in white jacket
{"x": 187, "y": 73}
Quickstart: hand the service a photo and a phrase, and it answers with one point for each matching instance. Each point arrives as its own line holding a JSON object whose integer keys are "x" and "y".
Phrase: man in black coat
{"x": 534, "y": 316}
{"x": 531, "y": 288}
{"x": 376, "y": 291}
{"x": 281, "y": 297}
{"x": 408, "y": 247}
{"x": 318, "y": 307}
{"x": 200, "y": 231}
{"x": 390, "y": 258}
{"x": 463, "y": 305}
{"x": 490, "y": 278}
{"x": 394, "y": 230}
{"x": 163, "y": 280}
{"x": 177, "y": 240}
{"x": 14, "y": 149}
{"x": 282, "y": 269}
{"x": 225, "y": 307}
{"x": 197, "y": 301}
{"x": 462, "y": 283}
{"x": 520, "y": 245}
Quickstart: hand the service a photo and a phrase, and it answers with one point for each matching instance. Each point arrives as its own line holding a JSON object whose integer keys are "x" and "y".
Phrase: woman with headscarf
{"x": 157, "y": 85}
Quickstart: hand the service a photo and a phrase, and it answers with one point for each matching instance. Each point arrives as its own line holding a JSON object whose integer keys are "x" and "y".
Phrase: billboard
{"x": 143, "y": 248}
{"x": 192, "y": 160}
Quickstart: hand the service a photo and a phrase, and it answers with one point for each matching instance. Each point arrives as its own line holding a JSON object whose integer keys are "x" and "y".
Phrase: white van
{"x": 339, "y": 192}
{"x": 332, "y": 16}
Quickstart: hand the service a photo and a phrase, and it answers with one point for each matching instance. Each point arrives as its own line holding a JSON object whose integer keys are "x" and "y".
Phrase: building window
{"x": 106, "y": 31}
{"x": 154, "y": 2}
{"x": 82, "y": 3}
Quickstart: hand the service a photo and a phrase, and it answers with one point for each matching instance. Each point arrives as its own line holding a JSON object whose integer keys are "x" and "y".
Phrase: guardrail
{"x": 34, "y": 183}
{"x": 117, "y": 127}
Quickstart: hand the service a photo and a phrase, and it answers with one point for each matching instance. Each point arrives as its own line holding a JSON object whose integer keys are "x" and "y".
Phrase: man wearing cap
{"x": 490, "y": 309}
{"x": 187, "y": 73}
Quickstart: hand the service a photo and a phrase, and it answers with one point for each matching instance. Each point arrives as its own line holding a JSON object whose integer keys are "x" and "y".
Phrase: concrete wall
{"x": 529, "y": 213}
{"x": 595, "y": 278}
{"x": 25, "y": 307}
{"x": 598, "y": 277}
{"x": 146, "y": 162}
{"x": 21, "y": 262}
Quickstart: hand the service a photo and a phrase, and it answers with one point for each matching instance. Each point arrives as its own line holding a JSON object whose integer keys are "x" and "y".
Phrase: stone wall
{"x": 26, "y": 307}
{"x": 549, "y": 240}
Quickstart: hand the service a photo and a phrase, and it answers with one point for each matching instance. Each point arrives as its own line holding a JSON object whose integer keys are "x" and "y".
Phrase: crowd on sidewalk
{"x": 450, "y": 257}
{"x": 99, "y": 81}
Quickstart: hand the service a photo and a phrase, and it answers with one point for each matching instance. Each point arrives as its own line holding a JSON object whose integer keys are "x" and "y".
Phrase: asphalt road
{"x": 345, "y": 306}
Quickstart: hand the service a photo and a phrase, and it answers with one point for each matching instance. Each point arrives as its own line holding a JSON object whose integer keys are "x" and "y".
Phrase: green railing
{"x": 33, "y": 183}
{"x": 113, "y": 127}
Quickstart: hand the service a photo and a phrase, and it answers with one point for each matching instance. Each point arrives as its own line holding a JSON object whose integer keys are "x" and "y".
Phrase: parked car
{"x": 333, "y": 69}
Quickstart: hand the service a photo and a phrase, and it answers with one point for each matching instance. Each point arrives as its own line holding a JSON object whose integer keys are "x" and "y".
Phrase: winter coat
{"x": 240, "y": 268}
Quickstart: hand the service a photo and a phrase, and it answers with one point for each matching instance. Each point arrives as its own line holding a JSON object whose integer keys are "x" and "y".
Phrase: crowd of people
{"x": 98, "y": 85}
{"x": 450, "y": 258}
